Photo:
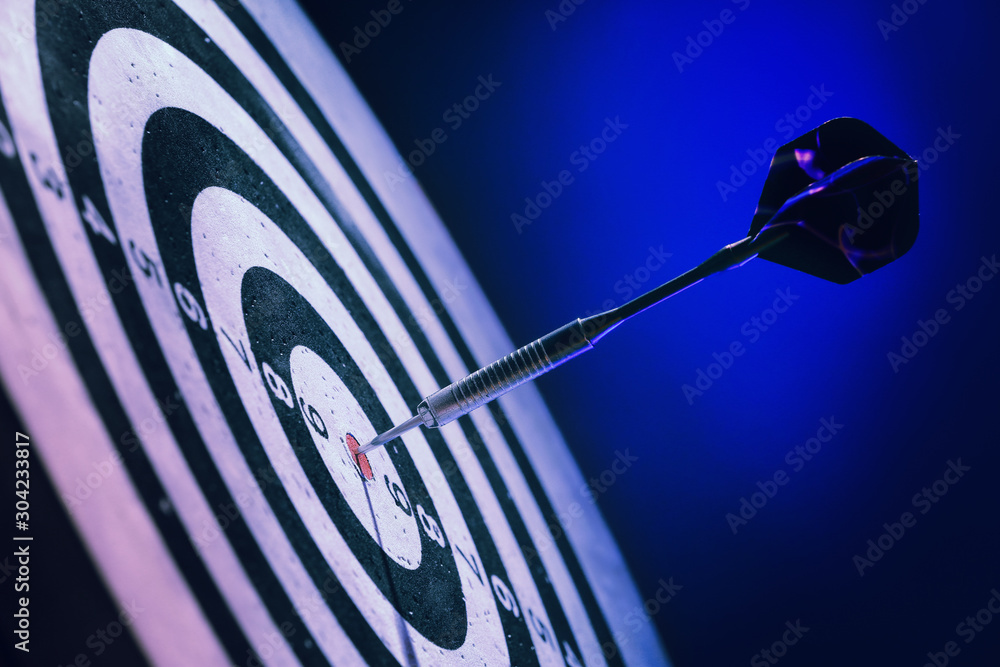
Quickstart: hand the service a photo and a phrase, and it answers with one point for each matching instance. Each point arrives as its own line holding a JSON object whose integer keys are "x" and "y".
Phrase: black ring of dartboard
{"x": 65, "y": 46}
{"x": 178, "y": 137}
{"x": 173, "y": 136}
{"x": 430, "y": 596}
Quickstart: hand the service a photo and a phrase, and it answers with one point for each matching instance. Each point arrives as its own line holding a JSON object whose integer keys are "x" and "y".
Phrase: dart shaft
{"x": 503, "y": 375}
{"x": 726, "y": 258}
{"x": 556, "y": 348}
{"x": 491, "y": 382}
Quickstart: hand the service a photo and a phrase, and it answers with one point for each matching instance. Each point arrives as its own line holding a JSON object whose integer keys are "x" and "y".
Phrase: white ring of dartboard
{"x": 255, "y": 312}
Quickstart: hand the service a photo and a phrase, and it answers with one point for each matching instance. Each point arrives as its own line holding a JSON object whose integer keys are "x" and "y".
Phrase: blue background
{"x": 826, "y": 357}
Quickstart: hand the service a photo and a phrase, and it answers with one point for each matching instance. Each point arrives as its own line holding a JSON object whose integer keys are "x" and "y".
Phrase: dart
{"x": 839, "y": 202}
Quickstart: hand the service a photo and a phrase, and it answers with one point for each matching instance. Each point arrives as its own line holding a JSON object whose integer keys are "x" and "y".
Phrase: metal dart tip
{"x": 391, "y": 434}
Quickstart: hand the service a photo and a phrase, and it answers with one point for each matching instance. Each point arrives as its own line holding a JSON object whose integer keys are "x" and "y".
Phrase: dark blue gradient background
{"x": 656, "y": 185}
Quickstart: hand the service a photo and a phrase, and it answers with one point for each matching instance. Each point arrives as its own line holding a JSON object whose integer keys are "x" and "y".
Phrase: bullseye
{"x": 360, "y": 459}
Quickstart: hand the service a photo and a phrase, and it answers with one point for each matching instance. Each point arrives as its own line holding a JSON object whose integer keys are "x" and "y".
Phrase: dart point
{"x": 360, "y": 460}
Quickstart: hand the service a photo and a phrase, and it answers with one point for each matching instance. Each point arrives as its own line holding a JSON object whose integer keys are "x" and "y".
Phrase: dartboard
{"x": 210, "y": 296}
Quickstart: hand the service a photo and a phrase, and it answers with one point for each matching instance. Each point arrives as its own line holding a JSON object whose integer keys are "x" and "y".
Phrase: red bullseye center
{"x": 361, "y": 460}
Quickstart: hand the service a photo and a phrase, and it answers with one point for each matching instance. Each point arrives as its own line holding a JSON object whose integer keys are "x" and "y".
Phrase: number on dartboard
{"x": 402, "y": 502}
{"x": 504, "y": 596}
{"x": 7, "y": 147}
{"x": 49, "y": 178}
{"x": 538, "y": 625}
{"x": 93, "y": 217}
{"x": 241, "y": 351}
{"x": 149, "y": 268}
{"x": 471, "y": 562}
{"x": 312, "y": 416}
{"x": 431, "y": 526}
{"x": 190, "y": 306}
{"x": 277, "y": 385}
{"x": 570, "y": 656}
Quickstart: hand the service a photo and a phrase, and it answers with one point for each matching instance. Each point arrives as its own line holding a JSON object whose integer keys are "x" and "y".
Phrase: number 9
{"x": 311, "y": 415}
